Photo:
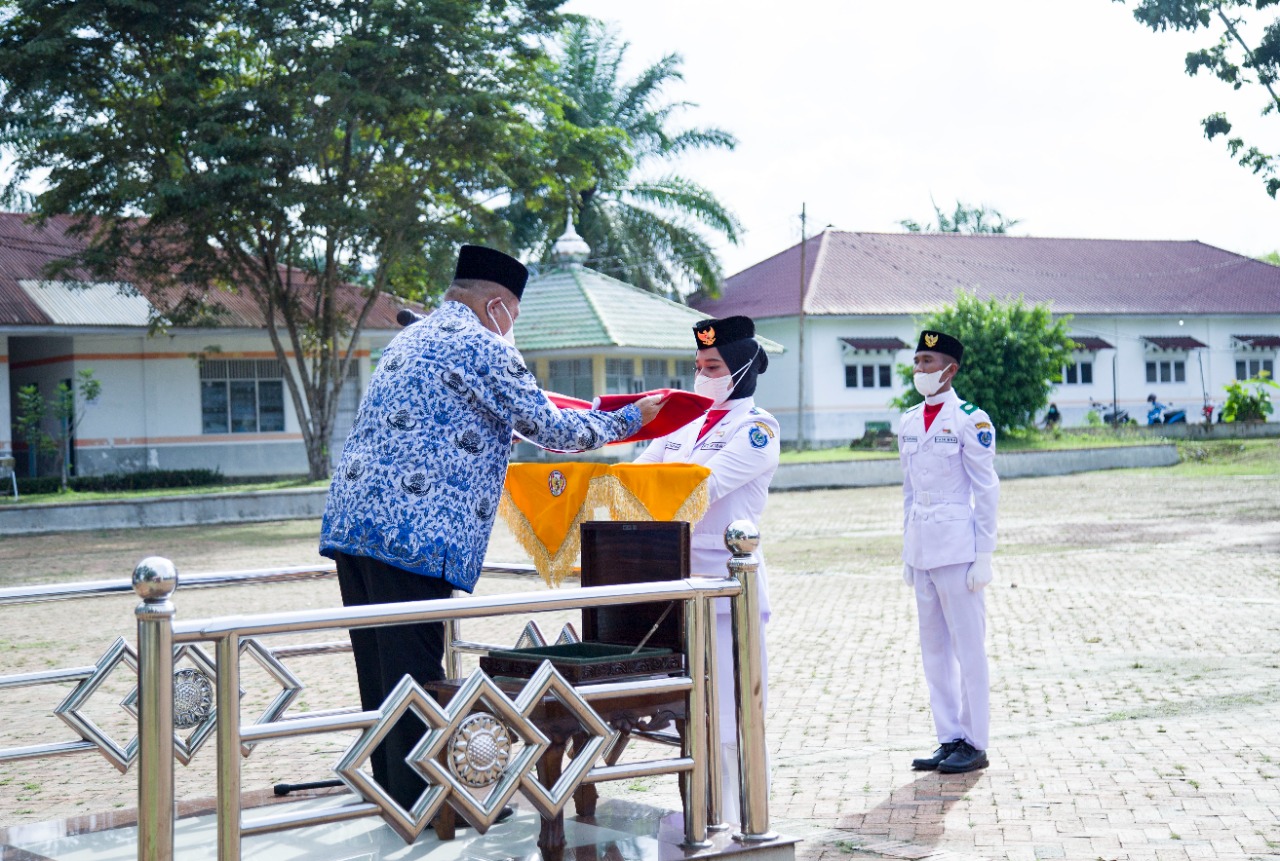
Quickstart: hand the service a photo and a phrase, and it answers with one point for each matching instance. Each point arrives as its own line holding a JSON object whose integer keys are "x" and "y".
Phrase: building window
{"x": 868, "y": 376}
{"x": 241, "y": 395}
{"x": 656, "y": 374}
{"x": 1247, "y": 369}
{"x": 571, "y": 377}
{"x": 1077, "y": 373}
{"x": 620, "y": 377}
{"x": 1167, "y": 372}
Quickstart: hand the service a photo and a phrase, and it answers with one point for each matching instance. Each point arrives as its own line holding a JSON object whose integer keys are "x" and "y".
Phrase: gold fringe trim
{"x": 554, "y": 567}
{"x": 605, "y": 491}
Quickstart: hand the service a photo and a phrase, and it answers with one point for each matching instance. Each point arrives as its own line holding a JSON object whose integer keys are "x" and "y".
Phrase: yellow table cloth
{"x": 544, "y": 504}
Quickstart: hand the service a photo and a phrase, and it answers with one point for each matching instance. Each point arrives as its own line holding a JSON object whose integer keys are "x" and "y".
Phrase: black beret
{"x": 478, "y": 263}
{"x": 716, "y": 333}
{"x": 939, "y": 342}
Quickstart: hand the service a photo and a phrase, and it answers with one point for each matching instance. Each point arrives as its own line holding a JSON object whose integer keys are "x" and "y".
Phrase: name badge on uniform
{"x": 672, "y": 446}
{"x": 946, "y": 437}
{"x": 714, "y": 446}
{"x": 911, "y": 439}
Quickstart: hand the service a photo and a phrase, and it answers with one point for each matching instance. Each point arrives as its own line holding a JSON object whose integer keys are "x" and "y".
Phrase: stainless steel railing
{"x": 159, "y": 640}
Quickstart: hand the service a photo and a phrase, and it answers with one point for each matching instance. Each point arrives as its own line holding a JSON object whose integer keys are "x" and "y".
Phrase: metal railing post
{"x": 742, "y": 538}
{"x": 715, "y": 792}
{"x": 695, "y": 725}
{"x": 228, "y": 710}
{"x": 154, "y": 580}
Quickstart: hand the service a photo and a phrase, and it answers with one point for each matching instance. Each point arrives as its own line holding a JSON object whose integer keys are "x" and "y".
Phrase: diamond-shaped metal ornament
{"x": 547, "y": 680}
{"x": 568, "y": 634}
{"x": 406, "y": 696}
{"x": 531, "y": 637}
{"x": 121, "y": 756}
{"x": 480, "y": 689}
{"x": 193, "y": 704}
{"x": 290, "y": 685}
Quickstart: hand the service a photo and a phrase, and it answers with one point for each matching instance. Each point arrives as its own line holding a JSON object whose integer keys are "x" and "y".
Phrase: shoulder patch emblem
{"x": 764, "y": 428}
{"x": 981, "y": 425}
{"x": 984, "y": 437}
{"x": 968, "y": 407}
{"x": 758, "y": 437}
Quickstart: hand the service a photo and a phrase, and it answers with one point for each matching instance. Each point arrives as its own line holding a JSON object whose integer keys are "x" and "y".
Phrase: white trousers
{"x": 953, "y": 633}
{"x": 731, "y": 804}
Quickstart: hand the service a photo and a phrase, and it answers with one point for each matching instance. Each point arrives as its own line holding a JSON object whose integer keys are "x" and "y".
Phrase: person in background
{"x": 1052, "y": 418}
{"x": 739, "y": 443}
{"x": 950, "y": 492}
{"x": 413, "y": 498}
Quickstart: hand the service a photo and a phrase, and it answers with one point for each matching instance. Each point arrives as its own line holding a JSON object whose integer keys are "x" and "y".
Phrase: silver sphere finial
{"x": 570, "y": 249}
{"x": 155, "y": 578}
{"x": 742, "y": 538}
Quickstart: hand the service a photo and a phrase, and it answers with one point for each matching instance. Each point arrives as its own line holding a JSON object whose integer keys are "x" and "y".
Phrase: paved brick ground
{"x": 1135, "y": 647}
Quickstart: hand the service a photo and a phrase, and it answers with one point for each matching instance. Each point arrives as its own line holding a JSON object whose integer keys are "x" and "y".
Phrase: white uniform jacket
{"x": 742, "y": 453}
{"x": 949, "y": 487}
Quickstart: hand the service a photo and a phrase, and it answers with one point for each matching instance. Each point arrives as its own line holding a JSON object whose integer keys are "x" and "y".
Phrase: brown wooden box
{"x": 616, "y": 552}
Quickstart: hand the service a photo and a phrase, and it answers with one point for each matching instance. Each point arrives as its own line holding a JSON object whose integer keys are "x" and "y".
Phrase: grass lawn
{"x": 97, "y": 496}
{"x": 1025, "y": 440}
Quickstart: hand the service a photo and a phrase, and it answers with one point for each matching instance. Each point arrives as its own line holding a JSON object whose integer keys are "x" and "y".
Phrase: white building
{"x": 190, "y": 398}
{"x": 1177, "y": 319}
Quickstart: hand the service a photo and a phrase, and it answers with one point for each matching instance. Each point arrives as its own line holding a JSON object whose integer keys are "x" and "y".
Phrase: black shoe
{"x": 964, "y": 758}
{"x": 932, "y": 762}
{"x": 505, "y": 814}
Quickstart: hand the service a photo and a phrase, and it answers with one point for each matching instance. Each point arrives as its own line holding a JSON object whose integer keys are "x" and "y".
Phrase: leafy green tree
{"x": 1244, "y": 405}
{"x": 965, "y": 219}
{"x": 1245, "y": 50}
{"x": 280, "y": 148}
{"x": 644, "y": 229}
{"x": 29, "y": 426}
{"x": 1273, "y": 258}
{"x": 34, "y": 410}
{"x": 1013, "y": 356}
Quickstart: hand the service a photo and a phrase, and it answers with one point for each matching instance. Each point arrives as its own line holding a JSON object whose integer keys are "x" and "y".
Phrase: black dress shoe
{"x": 964, "y": 758}
{"x": 932, "y": 762}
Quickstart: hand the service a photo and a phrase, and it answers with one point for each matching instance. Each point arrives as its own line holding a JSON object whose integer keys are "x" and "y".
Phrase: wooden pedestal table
{"x": 624, "y": 714}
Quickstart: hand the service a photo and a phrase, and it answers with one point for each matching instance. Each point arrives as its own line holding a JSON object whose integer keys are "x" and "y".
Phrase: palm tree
{"x": 644, "y": 229}
{"x": 966, "y": 219}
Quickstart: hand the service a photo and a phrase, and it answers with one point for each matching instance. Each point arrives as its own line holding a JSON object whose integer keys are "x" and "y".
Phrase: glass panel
{"x": 1241, "y": 371}
{"x": 850, "y": 376}
{"x": 886, "y": 376}
{"x": 617, "y": 375}
{"x": 1179, "y": 372}
{"x": 1268, "y": 367}
{"x": 244, "y": 406}
{"x": 213, "y": 407}
{"x": 1086, "y": 372}
{"x": 1070, "y": 375}
{"x": 1151, "y": 372}
{"x": 1166, "y": 373}
{"x": 655, "y": 374}
{"x": 868, "y": 376}
{"x": 271, "y": 404}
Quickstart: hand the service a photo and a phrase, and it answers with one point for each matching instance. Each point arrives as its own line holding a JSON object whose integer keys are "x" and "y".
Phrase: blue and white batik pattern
{"x": 422, "y": 471}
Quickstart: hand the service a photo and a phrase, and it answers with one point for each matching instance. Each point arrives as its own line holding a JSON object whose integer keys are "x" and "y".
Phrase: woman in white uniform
{"x": 739, "y": 442}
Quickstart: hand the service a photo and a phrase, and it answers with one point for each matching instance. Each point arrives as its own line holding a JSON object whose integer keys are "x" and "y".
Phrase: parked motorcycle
{"x": 1118, "y": 417}
{"x": 1163, "y": 414}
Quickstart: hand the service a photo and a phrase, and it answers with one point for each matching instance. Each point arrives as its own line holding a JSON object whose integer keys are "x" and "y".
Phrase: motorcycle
{"x": 1119, "y": 417}
{"x": 1162, "y": 414}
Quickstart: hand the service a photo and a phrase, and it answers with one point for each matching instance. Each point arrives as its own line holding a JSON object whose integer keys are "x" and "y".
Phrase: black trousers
{"x": 386, "y": 655}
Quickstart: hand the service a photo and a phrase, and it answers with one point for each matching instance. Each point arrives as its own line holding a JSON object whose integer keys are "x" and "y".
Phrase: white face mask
{"x": 719, "y": 388}
{"x": 508, "y": 336}
{"x": 928, "y": 384}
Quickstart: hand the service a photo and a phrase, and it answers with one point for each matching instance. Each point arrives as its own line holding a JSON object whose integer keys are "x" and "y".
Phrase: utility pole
{"x": 800, "y": 350}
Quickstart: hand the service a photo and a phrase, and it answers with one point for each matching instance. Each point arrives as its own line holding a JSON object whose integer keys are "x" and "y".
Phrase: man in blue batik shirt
{"x": 414, "y": 496}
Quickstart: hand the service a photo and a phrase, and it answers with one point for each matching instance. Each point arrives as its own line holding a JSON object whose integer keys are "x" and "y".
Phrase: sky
{"x": 1066, "y": 114}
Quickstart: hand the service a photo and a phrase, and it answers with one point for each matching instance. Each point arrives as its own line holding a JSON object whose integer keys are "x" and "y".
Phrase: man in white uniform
{"x": 950, "y": 493}
{"x": 739, "y": 443}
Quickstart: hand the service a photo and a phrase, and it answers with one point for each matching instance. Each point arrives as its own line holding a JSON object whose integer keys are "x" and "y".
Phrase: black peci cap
{"x": 939, "y": 342}
{"x": 717, "y": 333}
{"x": 486, "y": 264}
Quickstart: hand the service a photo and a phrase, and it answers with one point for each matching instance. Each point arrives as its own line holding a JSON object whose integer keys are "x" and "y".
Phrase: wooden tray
{"x": 583, "y": 662}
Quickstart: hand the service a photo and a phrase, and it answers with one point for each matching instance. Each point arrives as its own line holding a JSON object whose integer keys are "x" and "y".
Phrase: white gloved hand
{"x": 908, "y": 576}
{"x": 980, "y": 572}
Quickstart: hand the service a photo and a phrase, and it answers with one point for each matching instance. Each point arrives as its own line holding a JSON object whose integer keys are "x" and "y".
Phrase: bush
{"x": 1243, "y": 405}
{"x": 147, "y": 480}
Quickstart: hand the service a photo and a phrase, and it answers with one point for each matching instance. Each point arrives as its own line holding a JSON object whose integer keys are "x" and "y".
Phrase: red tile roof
{"x": 1088, "y": 342}
{"x": 871, "y": 344}
{"x": 1267, "y": 342}
{"x": 914, "y": 273}
{"x": 1174, "y": 342}
{"x": 26, "y": 249}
